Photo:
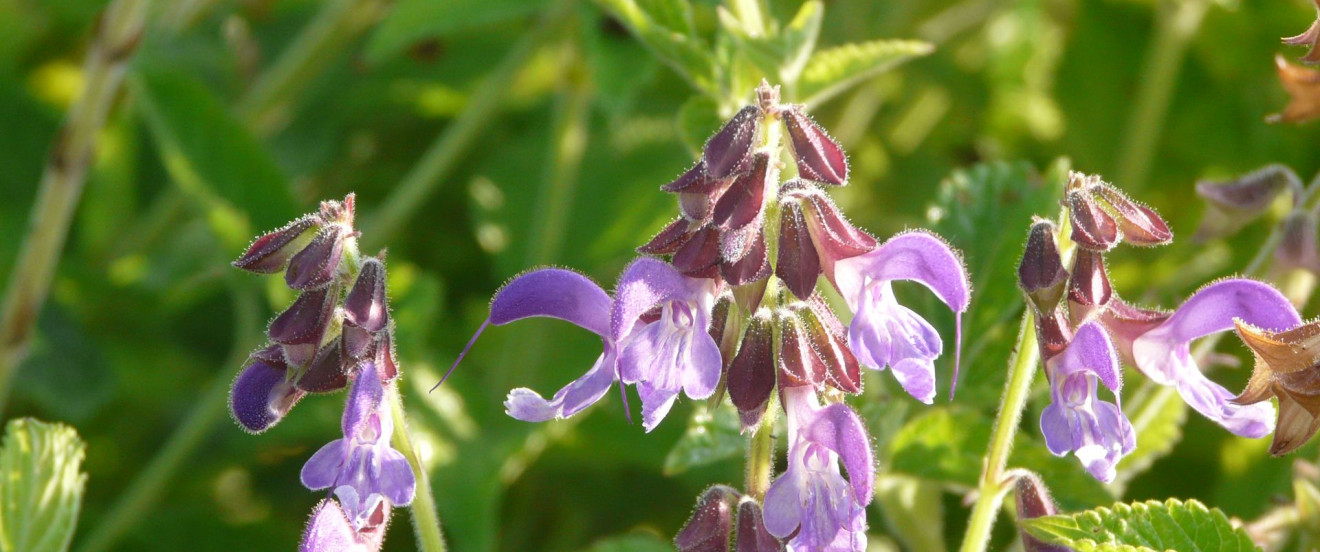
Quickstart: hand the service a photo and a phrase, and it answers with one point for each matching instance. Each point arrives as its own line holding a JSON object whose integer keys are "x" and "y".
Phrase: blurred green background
{"x": 484, "y": 137}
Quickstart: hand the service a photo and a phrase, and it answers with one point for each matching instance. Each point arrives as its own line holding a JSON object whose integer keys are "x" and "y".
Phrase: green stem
{"x": 992, "y": 486}
{"x": 116, "y": 40}
{"x": 146, "y": 489}
{"x": 761, "y": 453}
{"x": 1175, "y": 25}
{"x": 444, "y": 154}
{"x": 332, "y": 30}
{"x": 426, "y": 520}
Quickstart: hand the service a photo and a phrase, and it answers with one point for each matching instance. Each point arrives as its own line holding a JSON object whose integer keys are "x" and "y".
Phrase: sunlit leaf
{"x": 41, "y": 486}
{"x": 683, "y": 53}
{"x": 1170, "y": 525}
{"x": 832, "y": 71}
{"x": 710, "y": 437}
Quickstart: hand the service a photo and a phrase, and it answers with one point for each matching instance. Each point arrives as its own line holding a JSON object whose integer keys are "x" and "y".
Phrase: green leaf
{"x": 213, "y": 157}
{"x": 710, "y": 437}
{"x": 41, "y": 486}
{"x": 832, "y": 71}
{"x": 675, "y": 15}
{"x": 1157, "y": 417}
{"x": 1170, "y": 525}
{"x": 798, "y": 39}
{"x": 411, "y": 21}
{"x": 682, "y": 52}
{"x": 947, "y": 444}
{"x": 698, "y": 119}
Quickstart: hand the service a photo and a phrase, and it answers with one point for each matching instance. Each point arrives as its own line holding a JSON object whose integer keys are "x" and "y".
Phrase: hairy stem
{"x": 443, "y": 155}
{"x": 116, "y": 40}
{"x": 761, "y": 454}
{"x": 992, "y": 486}
{"x": 150, "y": 484}
{"x": 426, "y": 520}
{"x": 1175, "y": 24}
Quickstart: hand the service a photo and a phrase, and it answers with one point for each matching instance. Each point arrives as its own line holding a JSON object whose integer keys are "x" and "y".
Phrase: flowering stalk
{"x": 118, "y": 35}
{"x": 993, "y": 485}
{"x": 426, "y": 519}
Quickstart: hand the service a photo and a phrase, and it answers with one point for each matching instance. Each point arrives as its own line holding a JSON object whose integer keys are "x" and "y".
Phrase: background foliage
{"x": 484, "y": 137}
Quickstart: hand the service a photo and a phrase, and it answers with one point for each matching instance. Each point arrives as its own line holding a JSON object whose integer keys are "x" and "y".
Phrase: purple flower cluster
{"x": 336, "y": 334}
{"x": 1083, "y": 338}
{"x": 727, "y": 301}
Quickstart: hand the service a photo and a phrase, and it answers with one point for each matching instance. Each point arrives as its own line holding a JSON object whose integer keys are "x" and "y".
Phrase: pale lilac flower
{"x": 812, "y": 498}
{"x": 1164, "y": 353}
{"x": 654, "y": 334}
{"x": 361, "y": 469}
{"x": 1076, "y": 420}
{"x": 330, "y": 531}
{"x": 885, "y": 333}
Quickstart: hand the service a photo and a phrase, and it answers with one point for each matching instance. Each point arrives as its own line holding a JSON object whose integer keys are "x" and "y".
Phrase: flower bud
{"x": 305, "y": 321}
{"x": 711, "y": 523}
{"x": 694, "y": 180}
{"x": 318, "y": 263}
{"x": 729, "y": 151}
{"x": 1088, "y": 287}
{"x": 835, "y": 238}
{"x": 797, "y": 265}
{"x": 826, "y": 334}
{"x": 365, "y": 306}
{"x": 1139, "y": 224}
{"x": 262, "y": 395}
{"x": 1041, "y": 274}
{"x": 1033, "y": 501}
{"x": 744, "y": 202}
{"x": 817, "y": 155}
{"x": 1232, "y": 204}
{"x": 668, "y": 240}
{"x": 1298, "y": 248}
{"x": 699, "y": 253}
{"x": 271, "y": 252}
{"x": 358, "y": 343}
{"x": 387, "y": 361}
{"x": 753, "y": 265}
{"x": 328, "y": 371}
{"x": 798, "y": 362}
{"x": 1092, "y": 227}
{"x": 751, "y": 534}
{"x": 1053, "y": 334}
{"x": 751, "y": 376}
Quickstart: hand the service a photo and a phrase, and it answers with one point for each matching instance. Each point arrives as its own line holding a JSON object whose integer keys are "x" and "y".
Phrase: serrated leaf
{"x": 946, "y": 444}
{"x": 41, "y": 485}
{"x": 410, "y": 21}
{"x": 1157, "y": 419}
{"x": 832, "y": 71}
{"x": 209, "y": 154}
{"x": 710, "y": 437}
{"x": 1153, "y": 525}
{"x": 682, "y": 52}
{"x": 698, "y": 119}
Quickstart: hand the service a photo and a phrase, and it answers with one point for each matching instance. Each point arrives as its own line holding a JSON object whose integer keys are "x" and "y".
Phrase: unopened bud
{"x": 751, "y": 534}
{"x": 826, "y": 334}
{"x": 387, "y": 361}
{"x": 306, "y": 320}
{"x": 668, "y": 240}
{"x": 1092, "y": 227}
{"x": 834, "y": 236}
{"x": 700, "y": 252}
{"x": 752, "y": 373}
{"x": 709, "y": 528}
{"x": 1089, "y": 290}
{"x": 744, "y": 202}
{"x": 729, "y": 151}
{"x": 1041, "y": 274}
{"x": 817, "y": 155}
{"x": 798, "y": 362}
{"x": 1298, "y": 248}
{"x": 318, "y": 263}
{"x": 1033, "y": 501}
{"x": 366, "y": 306}
{"x": 1139, "y": 224}
{"x": 328, "y": 370}
{"x": 262, "y": 395}
{"x": 1232, "y": 204}
{"x": 1053, "y": 334}
{"x": 752, "y": 265}
{"x": 797, "y": 264}
{"x": 271, "y": 252}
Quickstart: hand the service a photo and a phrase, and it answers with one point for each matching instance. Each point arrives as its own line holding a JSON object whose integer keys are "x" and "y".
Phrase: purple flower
{"x": 1076, "y": 420}
{"x": 362, "y": 469}
{"x": 1163, "y": 353}
{"x": 885, "y": 333}
{"x": 329, "y": 530}
{"x": 812, "y": 498}
{"x": 654, "y": 335}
